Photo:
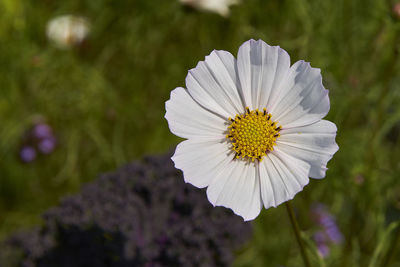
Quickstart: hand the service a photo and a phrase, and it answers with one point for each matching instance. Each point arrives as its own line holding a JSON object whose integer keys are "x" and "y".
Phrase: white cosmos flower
{"x": 218, "y": 6}
{"x": 254, "y": 127}
{"x": 68, "y": 30}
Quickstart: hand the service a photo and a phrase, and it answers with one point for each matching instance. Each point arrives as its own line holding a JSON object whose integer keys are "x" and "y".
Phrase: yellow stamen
{"x": 253, "y": 134}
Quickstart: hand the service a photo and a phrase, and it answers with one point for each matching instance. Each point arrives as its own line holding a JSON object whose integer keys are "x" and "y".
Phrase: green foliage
{"x": 105, "y": 100}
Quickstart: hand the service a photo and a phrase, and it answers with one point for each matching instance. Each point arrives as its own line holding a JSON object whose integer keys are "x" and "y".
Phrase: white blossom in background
{"x": 218, "y": 6}
{"x": 254, "y": 127}
{"x": 68, "y": 30}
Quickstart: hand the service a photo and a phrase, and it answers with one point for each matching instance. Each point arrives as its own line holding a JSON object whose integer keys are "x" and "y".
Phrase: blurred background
{"x": 83, "y": 86}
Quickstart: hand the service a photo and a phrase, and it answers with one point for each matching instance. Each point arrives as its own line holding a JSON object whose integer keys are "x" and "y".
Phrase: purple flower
{"x": 323, "y": 250}
{"x": 319, "y": 237}
{"x": 328, "y": 223}
{"x": 27, "y": 154}
{"x": 47, "y": 145}
{"x": 42, "y": 130}
{"x": 329, "y": 232}
{"x": 326, "y": 220}
{"x": 321, "y": 240}
{"x": 334, "y": 234}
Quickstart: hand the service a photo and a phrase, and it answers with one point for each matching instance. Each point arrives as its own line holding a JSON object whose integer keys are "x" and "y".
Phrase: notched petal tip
{"x": 173, "y": 94}
{"x": 236, "y": 188}
{"x": 245, "y": 218}
{"x": 335, "y": 149}
{"x": 254, "y": 43}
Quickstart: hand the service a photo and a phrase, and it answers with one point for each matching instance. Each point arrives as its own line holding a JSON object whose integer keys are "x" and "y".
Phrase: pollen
{"x": 253, "y": 134}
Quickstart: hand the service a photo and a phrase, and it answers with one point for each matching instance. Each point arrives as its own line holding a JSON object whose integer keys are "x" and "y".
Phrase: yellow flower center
{"x": 253, "y": 134}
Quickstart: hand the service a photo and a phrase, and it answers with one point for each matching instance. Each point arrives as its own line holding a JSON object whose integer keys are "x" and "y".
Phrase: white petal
{"x": 237, "y": 187}
{"x": 281, "y": 177}
{"x": 301, "y": 99}
{"x": 296, "y": 171}
{"x": 278, "y": 187}
{"x": 214, "y": 84}
{"x": 188, "y": 119}
{"x": 314, "y": 144}
{"x": 261, "y": 68}
{"x": 322, "y": 126}
{"x": 199, "y": 160}
{"x": 268, "y": 194}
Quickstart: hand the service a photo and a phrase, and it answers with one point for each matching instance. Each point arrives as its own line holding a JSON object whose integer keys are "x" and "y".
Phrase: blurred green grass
{"x": 105, "y": 101}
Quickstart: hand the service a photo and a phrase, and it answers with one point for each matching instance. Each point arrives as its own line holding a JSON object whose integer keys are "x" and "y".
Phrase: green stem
{"x": 395, "y": 240}
{"x": 296, "y": 230}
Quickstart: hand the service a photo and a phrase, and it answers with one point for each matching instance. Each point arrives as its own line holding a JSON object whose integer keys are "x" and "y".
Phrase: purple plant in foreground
{"x": 141, "y": 215}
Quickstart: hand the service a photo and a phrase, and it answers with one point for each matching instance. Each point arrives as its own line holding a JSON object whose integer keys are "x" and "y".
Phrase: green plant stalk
{"x": 297, "y": 233}
{"x": 393, "y": 245}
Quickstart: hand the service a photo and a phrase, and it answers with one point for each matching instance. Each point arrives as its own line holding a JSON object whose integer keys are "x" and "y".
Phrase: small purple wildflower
{"x": 47, "y": 145}
{"x": 329, "y": 232}
{"x": 27, "y": 154}
{"x": 327, "y": 222}
{"x": 321, "y": 240}
{"x": 40, "y": 139}
{"x": 42, "y": 130}
{"x": 319, "y": 237}
{"x": 324, "y": 250}
{"x": 334, "y": 234}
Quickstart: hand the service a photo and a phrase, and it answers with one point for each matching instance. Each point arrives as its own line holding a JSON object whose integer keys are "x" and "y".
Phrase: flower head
{"x": 47, "y": 145}
{"x": 254, "y": 127}
{"x": 38, "y": 139}
{"x": 42, "y": 130}
{"x": 321, "y": 240}
{"x": 27, "y": 154}
{"x": 67, "y": 31}
{"x": 327, "y": 222}
{"x": 218, "y": 6}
